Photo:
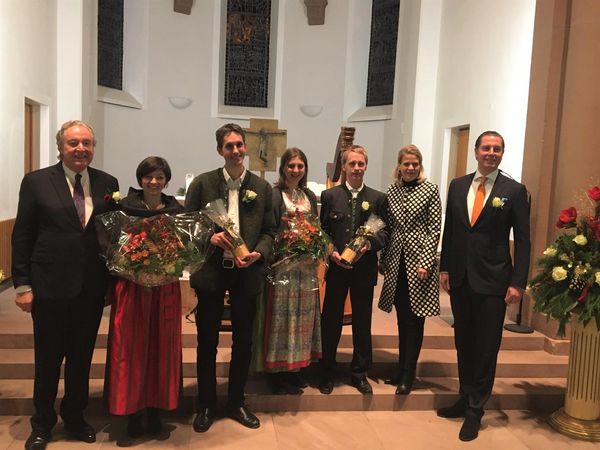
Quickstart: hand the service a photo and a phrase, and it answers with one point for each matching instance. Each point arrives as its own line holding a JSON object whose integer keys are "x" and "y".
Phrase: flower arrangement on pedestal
{"x": 569, "y": 278}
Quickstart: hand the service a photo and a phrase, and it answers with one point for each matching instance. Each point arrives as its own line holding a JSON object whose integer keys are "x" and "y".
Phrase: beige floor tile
{"x": 325, "y": 430}
{"x": 230, "y": 435}
{"x": 535, "y": 432}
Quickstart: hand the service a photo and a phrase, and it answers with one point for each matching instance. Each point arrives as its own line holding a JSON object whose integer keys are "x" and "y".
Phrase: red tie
{"x": 79, "y": 199}
{"x": 478, "y": 204}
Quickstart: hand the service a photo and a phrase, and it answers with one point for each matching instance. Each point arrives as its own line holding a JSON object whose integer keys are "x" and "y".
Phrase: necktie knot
{"x": 354, "y": 193}
{"x": 234, "y": 185}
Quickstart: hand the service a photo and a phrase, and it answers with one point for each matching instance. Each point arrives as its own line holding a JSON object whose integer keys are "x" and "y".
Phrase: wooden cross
{"x": 265, "y": 142}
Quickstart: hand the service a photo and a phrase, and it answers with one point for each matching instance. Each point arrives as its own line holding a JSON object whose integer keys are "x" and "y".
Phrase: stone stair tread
{"x": 17, "y": 388}
{"x": 19, "y": 356}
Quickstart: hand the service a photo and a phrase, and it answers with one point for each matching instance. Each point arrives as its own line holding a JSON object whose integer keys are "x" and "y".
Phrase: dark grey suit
{"x": 257, "y": 227}
{"x": 60, "y": 260}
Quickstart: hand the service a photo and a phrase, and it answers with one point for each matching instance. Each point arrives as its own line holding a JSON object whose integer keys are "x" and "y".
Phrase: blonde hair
{"x": 409, "y": 149}
{"x": 354, "y": 149}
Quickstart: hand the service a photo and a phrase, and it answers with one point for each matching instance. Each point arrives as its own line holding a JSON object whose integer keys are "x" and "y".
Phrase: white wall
{"x": 483, "y": 77}
{"x": 27, "y": 58}
{"x": 181, "y": 62}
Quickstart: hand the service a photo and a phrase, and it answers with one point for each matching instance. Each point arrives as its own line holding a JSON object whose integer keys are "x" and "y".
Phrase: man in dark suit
{"x": 344, "y": 209}
{"x": 59, "y": 277}
{"x": 249, "y": 206}
{"x": 478, "y": 272}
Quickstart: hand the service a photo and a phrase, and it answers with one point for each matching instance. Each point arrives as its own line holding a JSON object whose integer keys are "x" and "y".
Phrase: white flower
{"x": 249, "y": 196}
{"x": 550, "y": 251}
{"x": 365, "y": 206}
{"x": 498, "y": 202}
{"x": 597, "y": 278}
{"x": 580, "y": 239}
{"x": 559, "y": 273}
{"x": 116, "y": 196}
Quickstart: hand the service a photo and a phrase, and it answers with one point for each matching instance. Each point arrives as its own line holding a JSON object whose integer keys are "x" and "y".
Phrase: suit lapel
{"x": 463, "y": 193}
{"x": 63, "y": 193}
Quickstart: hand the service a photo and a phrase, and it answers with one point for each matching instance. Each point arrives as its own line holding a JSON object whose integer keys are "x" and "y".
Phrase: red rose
{"x": 584, "y": 294}
{"x": 567, "y": 218}
{"x": 594, "y": 193}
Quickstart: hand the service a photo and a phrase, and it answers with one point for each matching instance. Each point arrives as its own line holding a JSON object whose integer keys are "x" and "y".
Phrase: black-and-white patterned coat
{"x": 414, "y": 216}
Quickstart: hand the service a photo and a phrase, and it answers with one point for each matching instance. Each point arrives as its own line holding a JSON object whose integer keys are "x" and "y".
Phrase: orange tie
{"x": 478, "y": 204}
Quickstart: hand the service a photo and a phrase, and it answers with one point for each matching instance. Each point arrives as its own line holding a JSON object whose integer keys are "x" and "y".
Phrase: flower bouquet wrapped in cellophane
{"x": 568, "y": 281}
{"x": 300, "y": 246}
{"x": 217, "y": 212}
{"x": 372, "y": 226}
{"x": 154, "y": 251}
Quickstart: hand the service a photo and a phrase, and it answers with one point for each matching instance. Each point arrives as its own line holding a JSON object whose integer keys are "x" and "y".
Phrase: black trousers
{"x": 410, "y": 326}
{"x": 63, "y": 329}
{"x": 339, "y": 282}
{"x": 208, "y": 321}
{"x": 478, "y": 322}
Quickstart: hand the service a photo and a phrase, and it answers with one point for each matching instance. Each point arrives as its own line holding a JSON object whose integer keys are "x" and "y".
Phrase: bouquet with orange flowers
{"x": 569, "y": 278}
{"x": 300, "y": 245}
{"x": 155, "y": 250}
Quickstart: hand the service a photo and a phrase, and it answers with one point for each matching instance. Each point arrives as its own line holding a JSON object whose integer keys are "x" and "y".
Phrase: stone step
{"x": 510, "y": 341}
{"x": 18, "y": 363}
{"x": 429, "y": 393}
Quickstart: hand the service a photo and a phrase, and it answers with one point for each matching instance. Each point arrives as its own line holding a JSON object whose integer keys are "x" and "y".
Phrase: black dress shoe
{"x": 204, "y": 419}
{"x": 326, "y": 386}
{"x": 469, "y": 429}
{"x": 134, "y": 425}
{"x": 154, "y": 422}
{"x": 362, "y": 385}
{"x": 405, "y": 384}
{"x": 453, "y": 412}
{"x": 82, "y": 432}
{"x": 244, "y": 416}
{"x": 37, "y": 440}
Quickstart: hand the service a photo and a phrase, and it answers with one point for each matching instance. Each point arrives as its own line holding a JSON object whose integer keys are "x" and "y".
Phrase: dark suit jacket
{"x": 257, "y": 226}
{"x": 336, "y": 219}
{"x": 481, "y": 253}
{"x": 51, "y": 251}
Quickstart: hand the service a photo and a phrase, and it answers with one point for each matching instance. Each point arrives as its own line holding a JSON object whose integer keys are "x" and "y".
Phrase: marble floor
{"x": 504, "y": 430}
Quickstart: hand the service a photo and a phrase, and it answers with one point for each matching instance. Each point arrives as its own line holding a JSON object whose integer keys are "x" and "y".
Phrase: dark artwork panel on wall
{"x": 110, "y": 43}
{"x": 247, "y": 53}
{"x": 382, "y": 52}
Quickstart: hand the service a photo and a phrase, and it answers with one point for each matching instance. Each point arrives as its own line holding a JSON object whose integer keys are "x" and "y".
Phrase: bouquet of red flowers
{"x": 569, "y": 277}
{"x": 301, "y": 245}
{"x": 154, "y": 251}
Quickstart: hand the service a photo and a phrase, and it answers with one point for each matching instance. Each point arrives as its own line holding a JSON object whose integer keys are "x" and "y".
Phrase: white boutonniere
{"x": 249, "y": 196}
{"x": 498, "y": 202}
{"x": 113, "y": 197}
{"x": 365, "y": 206}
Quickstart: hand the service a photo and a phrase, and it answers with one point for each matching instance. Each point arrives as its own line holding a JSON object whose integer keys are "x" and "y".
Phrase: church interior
{"x": 525, "y": 68}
